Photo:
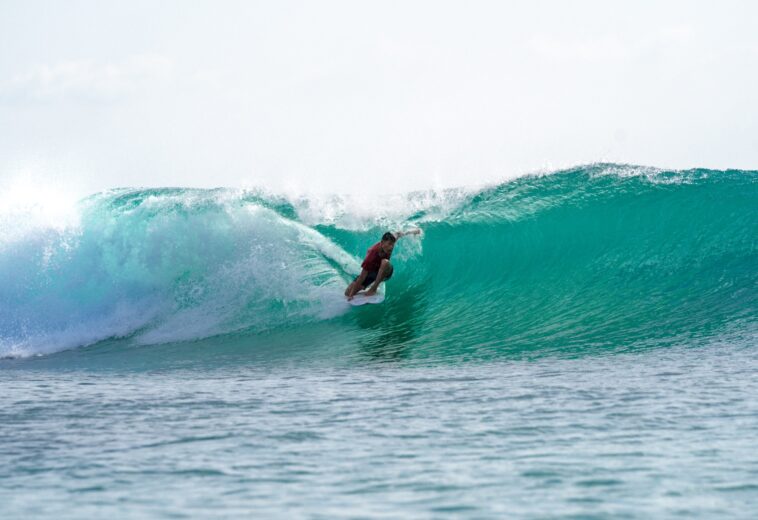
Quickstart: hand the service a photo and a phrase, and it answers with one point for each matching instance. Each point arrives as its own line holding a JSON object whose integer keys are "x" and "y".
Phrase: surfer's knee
{"x": 387, "y": 268}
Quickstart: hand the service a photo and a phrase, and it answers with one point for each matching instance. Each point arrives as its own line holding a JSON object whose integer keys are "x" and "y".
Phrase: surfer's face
{"x": 388, "y": 246}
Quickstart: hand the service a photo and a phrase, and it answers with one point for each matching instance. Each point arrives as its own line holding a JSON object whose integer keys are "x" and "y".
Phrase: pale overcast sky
{"x": 369, "y": 96}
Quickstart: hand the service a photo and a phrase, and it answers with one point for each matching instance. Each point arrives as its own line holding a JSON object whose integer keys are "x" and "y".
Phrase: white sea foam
{"x": 164, "y": 266}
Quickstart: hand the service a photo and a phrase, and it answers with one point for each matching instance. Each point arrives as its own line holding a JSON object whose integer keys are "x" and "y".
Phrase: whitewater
{"x": 585, "y": 336}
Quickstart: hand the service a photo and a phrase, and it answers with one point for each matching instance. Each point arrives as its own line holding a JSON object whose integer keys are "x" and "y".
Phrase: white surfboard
{"x": 362, "y": 299}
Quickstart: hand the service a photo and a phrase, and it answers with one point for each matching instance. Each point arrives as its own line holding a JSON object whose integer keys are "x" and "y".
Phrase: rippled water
{"x": 658, "y": 433}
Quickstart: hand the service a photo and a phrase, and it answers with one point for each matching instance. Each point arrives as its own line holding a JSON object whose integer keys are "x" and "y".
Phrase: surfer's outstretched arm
{"x": 399, "y": 234}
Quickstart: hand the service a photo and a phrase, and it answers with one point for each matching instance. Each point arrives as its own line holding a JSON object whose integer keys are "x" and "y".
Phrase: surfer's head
{"x": 388, "y": 242}
{"x": 389, "y": 237}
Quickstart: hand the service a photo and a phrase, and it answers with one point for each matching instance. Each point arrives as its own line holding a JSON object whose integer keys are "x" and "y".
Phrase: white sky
{"x": 369, "y": 97}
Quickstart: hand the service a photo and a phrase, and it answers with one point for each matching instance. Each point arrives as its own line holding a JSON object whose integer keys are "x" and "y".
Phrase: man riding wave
{"x": 376, "y": 267}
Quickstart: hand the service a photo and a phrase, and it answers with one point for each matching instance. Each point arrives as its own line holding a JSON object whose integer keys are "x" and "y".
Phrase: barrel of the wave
{"x": 591, "y": 259}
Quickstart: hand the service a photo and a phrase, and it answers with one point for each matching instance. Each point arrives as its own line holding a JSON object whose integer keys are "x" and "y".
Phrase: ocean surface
{"x": 578, "y": 344}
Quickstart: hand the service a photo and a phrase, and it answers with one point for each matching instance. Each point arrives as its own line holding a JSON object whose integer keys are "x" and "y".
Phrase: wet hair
{"x": 388, "y": 236}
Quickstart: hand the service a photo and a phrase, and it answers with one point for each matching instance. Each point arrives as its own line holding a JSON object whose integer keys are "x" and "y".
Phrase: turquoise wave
{"x": 598, "y": 257}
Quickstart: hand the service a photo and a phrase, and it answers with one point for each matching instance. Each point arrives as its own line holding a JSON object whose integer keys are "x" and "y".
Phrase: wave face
{"x": 599, "y": 257}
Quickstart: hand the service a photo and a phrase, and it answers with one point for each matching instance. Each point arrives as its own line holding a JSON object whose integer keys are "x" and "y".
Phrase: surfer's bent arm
{"x": 357, "y": 285}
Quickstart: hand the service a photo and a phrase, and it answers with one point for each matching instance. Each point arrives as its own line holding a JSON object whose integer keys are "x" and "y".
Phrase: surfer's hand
{"x": 370, "y": 292}
{"x": 350, "y": 297}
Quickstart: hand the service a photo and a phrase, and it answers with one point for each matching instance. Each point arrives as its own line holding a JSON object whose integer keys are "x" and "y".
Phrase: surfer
{"x": 376, "y": 267}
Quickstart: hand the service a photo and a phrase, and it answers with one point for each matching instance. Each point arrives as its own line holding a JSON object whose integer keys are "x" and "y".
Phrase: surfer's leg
{"x": 385, "y": 273}
{"x": 358, "y": 284}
